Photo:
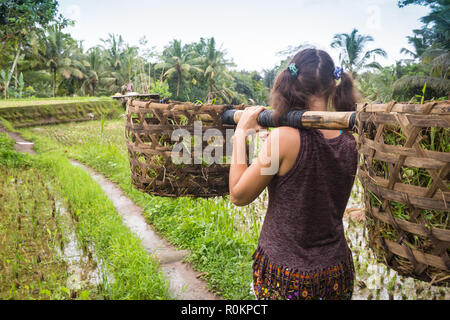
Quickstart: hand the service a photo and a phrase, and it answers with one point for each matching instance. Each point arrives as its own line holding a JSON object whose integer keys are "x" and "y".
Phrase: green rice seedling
{"x": 28, "y": 237}
{"x": 102, "y": 126}
{"x": 422, "y": 97}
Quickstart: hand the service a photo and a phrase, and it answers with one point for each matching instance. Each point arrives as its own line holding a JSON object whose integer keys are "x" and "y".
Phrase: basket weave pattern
{"x": 406, "y": 186}
{"x": 149, "y": 128}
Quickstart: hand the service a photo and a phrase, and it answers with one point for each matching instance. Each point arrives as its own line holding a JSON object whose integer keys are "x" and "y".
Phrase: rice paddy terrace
{"x": 72, "y": 226}
{"x": 30, "y": 112}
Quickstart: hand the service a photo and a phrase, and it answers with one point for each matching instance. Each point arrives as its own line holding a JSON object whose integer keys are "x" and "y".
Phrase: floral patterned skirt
{"x": 273, "y": 282}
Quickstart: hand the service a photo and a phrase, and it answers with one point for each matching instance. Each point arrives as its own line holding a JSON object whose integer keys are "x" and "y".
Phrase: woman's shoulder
{"x": 286, "y": 132}
{"x": 285, "y": 135}
{"x": 287, "y": 139}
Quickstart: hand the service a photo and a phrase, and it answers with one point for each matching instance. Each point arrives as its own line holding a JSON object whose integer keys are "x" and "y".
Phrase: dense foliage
{"x": 39, "y": 58}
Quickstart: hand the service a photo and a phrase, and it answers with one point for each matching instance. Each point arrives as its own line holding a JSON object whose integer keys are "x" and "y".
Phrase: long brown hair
{"x": 315, "y": 78}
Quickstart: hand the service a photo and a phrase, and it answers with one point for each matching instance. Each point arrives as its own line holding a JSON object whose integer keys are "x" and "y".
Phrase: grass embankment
{"x": 220, "y": 236}
{"x": 47, "y": 101}
{"x": 31, "y": 267}
{"x": 33, "y": 112}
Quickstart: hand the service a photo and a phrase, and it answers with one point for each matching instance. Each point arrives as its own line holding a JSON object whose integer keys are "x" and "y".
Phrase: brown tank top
{"x": 303, "y": 228}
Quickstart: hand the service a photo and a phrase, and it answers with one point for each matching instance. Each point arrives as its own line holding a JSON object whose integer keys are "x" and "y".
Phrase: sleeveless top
{"x": 303, "y": 229}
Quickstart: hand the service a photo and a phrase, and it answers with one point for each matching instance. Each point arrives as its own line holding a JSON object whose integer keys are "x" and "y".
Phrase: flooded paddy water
{"x": 83, "y": 267}
{"x": 40, "y": 256}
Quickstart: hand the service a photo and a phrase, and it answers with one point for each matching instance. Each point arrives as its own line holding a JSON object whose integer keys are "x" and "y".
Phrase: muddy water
{"x": 184, "y": 281}
{"x": 84, "y": 272}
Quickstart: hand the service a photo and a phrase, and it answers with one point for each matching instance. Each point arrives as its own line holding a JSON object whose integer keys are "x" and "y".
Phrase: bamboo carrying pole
{"x": 298, "y": 119}
{"x": 343, "y": 120}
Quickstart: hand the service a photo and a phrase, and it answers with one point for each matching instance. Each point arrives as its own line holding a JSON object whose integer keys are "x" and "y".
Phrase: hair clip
{"x": 293, "y": 70}
{"x": 337, "y": 74}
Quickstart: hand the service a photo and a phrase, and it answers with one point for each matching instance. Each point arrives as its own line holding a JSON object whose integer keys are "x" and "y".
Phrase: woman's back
{"x": 302, "y": 251}
{"x": 307, "y": 203}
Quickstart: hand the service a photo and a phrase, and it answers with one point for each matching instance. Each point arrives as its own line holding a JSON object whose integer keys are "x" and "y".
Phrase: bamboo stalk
{"x": 440, "y": 107}
{"x": 306, "y": 119}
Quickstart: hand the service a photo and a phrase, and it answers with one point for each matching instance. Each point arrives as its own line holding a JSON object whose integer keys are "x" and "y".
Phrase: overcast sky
{"x": 251, "y": 31}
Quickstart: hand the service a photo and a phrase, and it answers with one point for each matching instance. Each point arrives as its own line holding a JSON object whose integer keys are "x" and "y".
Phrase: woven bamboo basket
{"x": 149, "y": 128}
{"x": 404, "y": 169}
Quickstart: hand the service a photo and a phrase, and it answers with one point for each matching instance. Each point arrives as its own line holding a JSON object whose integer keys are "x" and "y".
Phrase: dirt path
{"x": 21, "y": 144}
{"x": 184, "y": 281}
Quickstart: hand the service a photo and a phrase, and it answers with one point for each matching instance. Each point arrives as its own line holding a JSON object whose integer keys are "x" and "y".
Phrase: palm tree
{"x": 420, "y": 42}
{"x": 96, "y": 73}
{"x": 178, "y": 62}
{"x": 431, "y": 44}
{"x": 352, "y": 56}
{"x": 269, "y": 77}
{"x": 114, "y": 47}
{"x": 59, "y": 54}
{"x": 215, "y": 66}
{"x": 129, "y": 60}
{"x": 439, "y": 60}
{"x": 437, "y": 63}
{"x": 437, "y": 24}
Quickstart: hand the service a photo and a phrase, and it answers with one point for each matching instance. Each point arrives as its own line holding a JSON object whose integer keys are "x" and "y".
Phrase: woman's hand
{"x": 249, "y": 119}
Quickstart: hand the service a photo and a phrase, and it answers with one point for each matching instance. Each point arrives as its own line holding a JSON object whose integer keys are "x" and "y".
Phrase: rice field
{"x": 220, "y": 236}
{"x": 39, "y": 252}
{"x": 61, "y": 237}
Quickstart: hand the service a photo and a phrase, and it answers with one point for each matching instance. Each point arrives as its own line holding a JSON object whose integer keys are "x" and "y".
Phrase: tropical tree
{"x": 436, "y": 29}
{"x": 377, "y": 85}
{"x": 59, "y": 54}
{"x": 431, "y": 44}
{"x": 177, "y": 62}
{"x": 353, "y": 56}
{"x": 96, "y": 73}
{"x": 421, "y": 41}
{"x": 269, "y": 76}
{"x": 129, "y": 61}
{"x": 114, "y": 46}
{"x": 19, "y": 18}
{"x": 216, "y": 71}
{"x": 439, "y": 61}
{"x": 249, "y": 88}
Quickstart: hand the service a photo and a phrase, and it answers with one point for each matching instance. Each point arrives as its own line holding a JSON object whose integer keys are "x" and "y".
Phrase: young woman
{"x": 302, "y": 251}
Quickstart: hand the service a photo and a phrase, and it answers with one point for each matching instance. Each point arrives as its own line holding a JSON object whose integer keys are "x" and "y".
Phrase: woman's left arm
{"x": 247, "y": 182}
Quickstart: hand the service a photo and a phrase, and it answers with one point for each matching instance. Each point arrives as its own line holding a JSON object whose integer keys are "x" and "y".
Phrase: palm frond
{"x": 438, "y": 85}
